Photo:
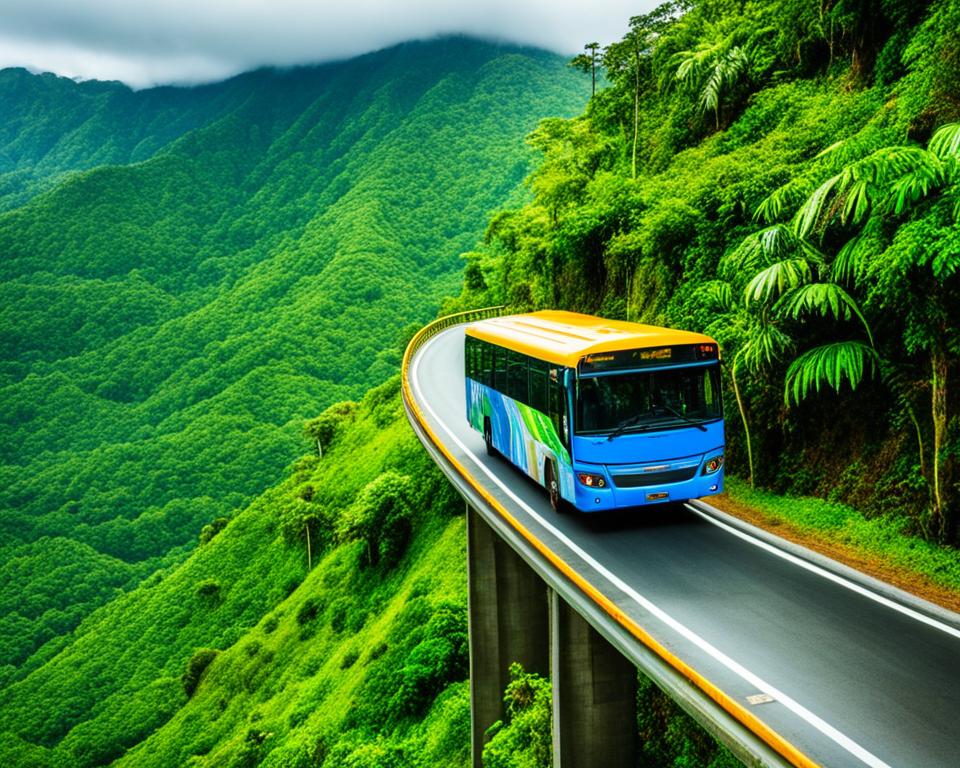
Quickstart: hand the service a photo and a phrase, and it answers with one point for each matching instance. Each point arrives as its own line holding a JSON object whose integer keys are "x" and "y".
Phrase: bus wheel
{"x": 553, "y": 486}
{"x": 488, "y": 438}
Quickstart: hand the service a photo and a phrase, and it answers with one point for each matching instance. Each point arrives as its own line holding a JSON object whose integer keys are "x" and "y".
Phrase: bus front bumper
{"x": 616, "y": 496}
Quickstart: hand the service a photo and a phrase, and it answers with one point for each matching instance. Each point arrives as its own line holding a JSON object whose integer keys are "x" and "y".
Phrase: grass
{"x": 879, "y": 546}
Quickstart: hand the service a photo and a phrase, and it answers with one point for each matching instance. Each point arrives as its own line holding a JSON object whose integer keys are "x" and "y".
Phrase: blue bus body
{"x": 648, "y": 468}
{"x": 666, "y": 459}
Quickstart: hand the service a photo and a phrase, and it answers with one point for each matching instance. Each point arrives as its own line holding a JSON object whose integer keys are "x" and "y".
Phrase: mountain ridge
{"x": 169, "y": 324}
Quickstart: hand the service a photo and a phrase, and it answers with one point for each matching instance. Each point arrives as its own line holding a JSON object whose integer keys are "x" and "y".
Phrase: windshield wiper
{"x": 622, "y": 426}
{"x": 680, "y": 416}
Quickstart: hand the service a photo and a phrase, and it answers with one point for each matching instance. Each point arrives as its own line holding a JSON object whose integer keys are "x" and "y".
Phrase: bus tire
{"x": 488, "y": 438}
{"x": 552, "y": 483}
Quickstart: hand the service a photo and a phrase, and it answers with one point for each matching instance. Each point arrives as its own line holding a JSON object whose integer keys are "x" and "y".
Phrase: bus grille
{"x": 654, "y": 478}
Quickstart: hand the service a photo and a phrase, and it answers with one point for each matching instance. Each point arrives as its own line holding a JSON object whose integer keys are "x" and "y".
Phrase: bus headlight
{"x": 713, "y": 464}
{"x": 592, "y": 481}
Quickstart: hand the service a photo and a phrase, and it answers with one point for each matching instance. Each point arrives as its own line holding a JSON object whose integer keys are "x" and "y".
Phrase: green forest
{"x": 246, "y": 254}
{"x": 196, "y": 300}
{"x": 785, "y": 177}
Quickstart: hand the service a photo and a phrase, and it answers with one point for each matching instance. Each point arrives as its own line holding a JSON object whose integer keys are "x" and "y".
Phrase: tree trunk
{"x": 944, "y": 511}
{"x": 743, "y": 418}
{"x": 636, "y": 110}
{"x": 309, "y": 552}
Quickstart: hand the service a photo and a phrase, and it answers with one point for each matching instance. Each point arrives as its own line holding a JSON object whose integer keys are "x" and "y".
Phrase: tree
{"x": 624, "y": 62}
{"x": 380, "y": 516}
{"x": 587, "y": 62}
{"x": 712, "y": 69}
{"x": 762, "y": 344}
{"x": 302, "y": 521}
{"x": 324, "y": 429}
{"x": 195, "y": 668}
{"x": 628, "y": 61}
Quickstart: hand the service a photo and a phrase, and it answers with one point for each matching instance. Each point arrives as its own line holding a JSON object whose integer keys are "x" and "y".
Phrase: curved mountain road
{"x": 847, "y": 679}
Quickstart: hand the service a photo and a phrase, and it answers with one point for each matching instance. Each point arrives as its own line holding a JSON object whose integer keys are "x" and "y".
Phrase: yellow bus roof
{"x": 566, "y": 337}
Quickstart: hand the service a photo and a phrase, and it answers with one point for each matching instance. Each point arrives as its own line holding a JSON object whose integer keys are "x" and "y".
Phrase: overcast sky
{"x": 145, "y": 42}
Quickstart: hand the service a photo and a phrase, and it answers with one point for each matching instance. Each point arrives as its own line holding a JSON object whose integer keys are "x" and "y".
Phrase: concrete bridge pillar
{"x": 508, "y": 622}
{"x": 594, "y": 695}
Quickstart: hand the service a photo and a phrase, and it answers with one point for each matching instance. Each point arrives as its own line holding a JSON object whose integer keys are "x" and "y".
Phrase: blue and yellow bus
{"x": 602, "y": 413}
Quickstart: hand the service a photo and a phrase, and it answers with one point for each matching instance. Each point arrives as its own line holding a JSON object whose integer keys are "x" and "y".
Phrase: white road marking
{"x": 835, "y": 578}
{"x": 799, "y": 710}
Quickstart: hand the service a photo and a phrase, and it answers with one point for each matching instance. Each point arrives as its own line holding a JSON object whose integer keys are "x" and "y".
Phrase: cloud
{"x": 145, "y": 42}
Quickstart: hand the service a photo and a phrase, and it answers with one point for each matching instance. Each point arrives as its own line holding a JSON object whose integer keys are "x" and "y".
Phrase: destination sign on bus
{"x": 643, "y": 358}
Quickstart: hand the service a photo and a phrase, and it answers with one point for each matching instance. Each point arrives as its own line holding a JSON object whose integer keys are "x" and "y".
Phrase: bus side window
{"x": 556, "y": 407}
{"x": 481, "y": 362}
{"x": 538, "y": 385}
{"x": 469, "y": 352}
{"x": 516, "y": 376}
{"x": 500, "y": 369}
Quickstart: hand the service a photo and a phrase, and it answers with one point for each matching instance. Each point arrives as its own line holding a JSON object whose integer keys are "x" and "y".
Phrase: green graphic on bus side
{"x": 527, "y": 437}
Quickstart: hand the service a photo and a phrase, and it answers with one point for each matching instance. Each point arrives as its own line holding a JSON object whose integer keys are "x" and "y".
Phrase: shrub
{"x": 668, "y": 736}
{"x": 381, "y": 516}
{"x": 524, "y": 738}
{"x": 339, "y": 612}
{"x": 212, "y": 528}
{"x": 326, "y": 427}
{"x": 208, "y": 591}
{"x": 441, "y": 658}
{"x": 195, "y": 668}
{"x": 308, "y": 611}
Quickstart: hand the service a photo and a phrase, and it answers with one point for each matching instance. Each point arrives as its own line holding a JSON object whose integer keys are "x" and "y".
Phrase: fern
{"x": 766, "y": 344}
{"x": 946, "y": 141}
{"x": 812, "y": 210}
{"x": 724, "y": 73}
{"x": 760, "y": 249}
{"x": 828, "y": 365}
{"x": 772, "y": 207}
{"x": 926, "y": 175}
{"x": 847, "y": 267}
{"x": 719, "y": 294}
{"x": 779, "y": 277}
{"x": 861, "y": 185}
{"x": 826, "y": 299}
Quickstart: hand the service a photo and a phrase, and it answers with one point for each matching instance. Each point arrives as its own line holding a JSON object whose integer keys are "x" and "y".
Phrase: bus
{"x": 603, "y": 414}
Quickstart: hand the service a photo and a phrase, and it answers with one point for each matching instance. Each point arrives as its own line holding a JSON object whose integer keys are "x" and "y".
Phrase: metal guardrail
{"x": 428, "y": 332}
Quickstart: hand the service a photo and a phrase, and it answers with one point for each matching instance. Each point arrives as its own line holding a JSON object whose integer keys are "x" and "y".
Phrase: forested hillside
{"x": 324, "y": 625}
{"x": 190, "y": 275}
{"x": 254, "y": 252}
{"x": 52, "y": 125}
{"x": 784, "y": 176}
{"x": 244, "y": 651}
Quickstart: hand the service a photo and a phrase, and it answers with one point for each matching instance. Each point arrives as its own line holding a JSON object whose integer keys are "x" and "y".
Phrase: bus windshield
{"x": 662, "y": 399}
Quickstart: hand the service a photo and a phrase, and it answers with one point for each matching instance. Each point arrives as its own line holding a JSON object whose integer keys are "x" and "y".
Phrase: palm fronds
{"x": 828, "y": 365}
{"x": 777, "y": 278}
{"x": 825, "y": 299}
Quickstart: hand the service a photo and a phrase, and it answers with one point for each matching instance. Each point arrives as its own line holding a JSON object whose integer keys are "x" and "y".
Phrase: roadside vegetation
{"x": 785, "y": 177}
{"x": 879, "y": 546}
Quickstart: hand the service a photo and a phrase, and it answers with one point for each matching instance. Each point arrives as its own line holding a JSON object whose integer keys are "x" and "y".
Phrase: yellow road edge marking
{"x": 730, "y": 705}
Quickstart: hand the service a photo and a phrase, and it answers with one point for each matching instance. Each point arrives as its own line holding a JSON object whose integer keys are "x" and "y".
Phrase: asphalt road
{"x": 853, "y": 680}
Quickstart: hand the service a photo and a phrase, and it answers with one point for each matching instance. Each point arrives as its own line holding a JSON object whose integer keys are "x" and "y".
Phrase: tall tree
{"x": 628, "y": 61}
{"x": 587, "y": 62}
{"x": 712, "y": 69}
